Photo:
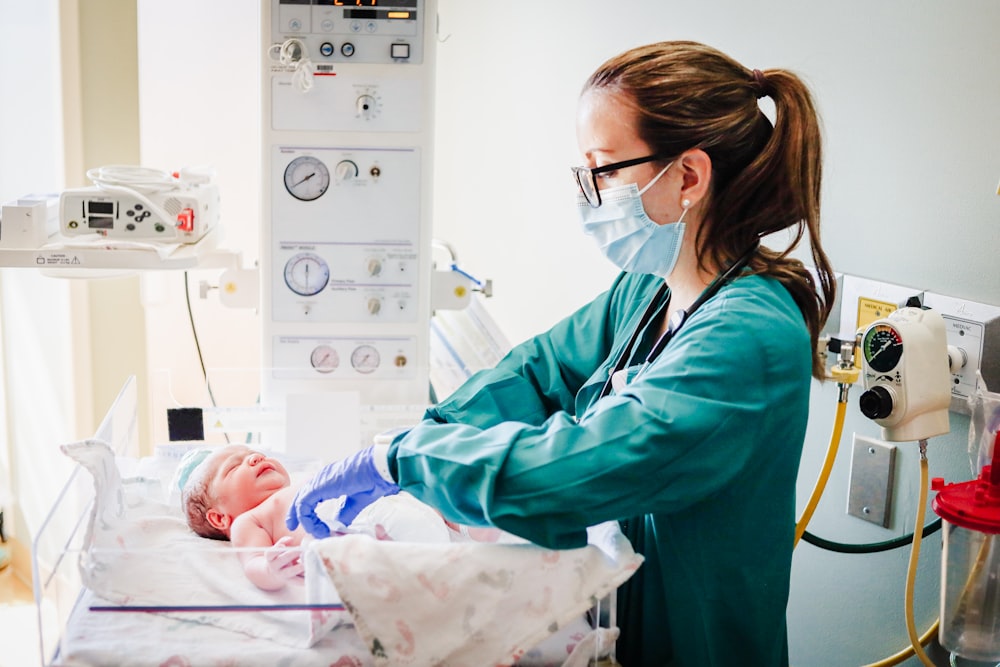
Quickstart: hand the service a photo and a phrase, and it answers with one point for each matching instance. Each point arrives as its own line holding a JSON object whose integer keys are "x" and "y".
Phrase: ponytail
{"x": 765, "y": 178}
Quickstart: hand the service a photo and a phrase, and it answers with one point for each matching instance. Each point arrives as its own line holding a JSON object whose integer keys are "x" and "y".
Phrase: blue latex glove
{"x": 354, "y": 477}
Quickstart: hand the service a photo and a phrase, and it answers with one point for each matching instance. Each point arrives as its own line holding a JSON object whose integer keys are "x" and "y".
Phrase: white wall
{"x": 907, "y": 90}
{"x": 198, "y": 106}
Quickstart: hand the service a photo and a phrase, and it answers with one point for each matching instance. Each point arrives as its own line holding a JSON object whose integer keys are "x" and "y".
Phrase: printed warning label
{"x": 58, "y": 259}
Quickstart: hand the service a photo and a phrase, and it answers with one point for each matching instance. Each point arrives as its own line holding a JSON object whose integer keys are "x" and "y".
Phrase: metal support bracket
{"x": 873, "y": 465}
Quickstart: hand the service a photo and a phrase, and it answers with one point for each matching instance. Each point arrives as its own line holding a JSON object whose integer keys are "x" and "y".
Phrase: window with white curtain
{"x": 36, "y": 366}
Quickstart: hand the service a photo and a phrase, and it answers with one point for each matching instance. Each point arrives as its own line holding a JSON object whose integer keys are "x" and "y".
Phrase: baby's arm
{"x": 274, "y": 565}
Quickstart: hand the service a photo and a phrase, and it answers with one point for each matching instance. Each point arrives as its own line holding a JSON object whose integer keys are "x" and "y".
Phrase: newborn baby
{"x": 235, "y": 493}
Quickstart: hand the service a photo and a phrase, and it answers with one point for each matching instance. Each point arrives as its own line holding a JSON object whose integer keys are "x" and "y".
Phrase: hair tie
{"x": 763, "y": 90}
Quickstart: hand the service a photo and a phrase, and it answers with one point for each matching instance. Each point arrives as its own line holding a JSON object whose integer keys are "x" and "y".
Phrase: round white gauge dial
{"x": 306, "y": 274}
{"x": 365, "y": 359}
{"x": 324, "y": 359}
{"x": 306, "y": 178}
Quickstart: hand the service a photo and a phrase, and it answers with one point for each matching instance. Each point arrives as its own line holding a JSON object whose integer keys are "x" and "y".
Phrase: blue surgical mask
{"x": 627, "y": 236}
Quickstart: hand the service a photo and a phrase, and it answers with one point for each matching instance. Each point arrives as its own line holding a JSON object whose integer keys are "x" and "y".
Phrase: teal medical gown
{"x": 697, "y": 458}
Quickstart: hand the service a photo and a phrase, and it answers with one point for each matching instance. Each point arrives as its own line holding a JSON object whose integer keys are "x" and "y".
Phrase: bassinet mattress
{"x": 128, "y": 639}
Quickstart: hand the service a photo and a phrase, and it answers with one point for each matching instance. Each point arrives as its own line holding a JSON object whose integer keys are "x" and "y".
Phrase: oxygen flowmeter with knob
{"x": 906, "y": 372}
{"x": 906, "y": 375}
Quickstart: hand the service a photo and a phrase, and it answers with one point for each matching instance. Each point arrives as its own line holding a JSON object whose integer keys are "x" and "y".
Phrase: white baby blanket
{"x": 412, "y": 603}
{"x": 471, "y": 604}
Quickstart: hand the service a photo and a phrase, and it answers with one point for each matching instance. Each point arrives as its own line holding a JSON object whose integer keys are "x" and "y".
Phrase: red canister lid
{"x": 974, "y": 505}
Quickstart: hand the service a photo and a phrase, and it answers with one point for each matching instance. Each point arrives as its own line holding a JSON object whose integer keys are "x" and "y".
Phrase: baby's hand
{"x": 282, "y": 562}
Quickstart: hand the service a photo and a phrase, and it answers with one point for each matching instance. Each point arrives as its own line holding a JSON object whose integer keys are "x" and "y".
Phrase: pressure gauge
{"x": 306, "y": 274}
{"x": 306, "y": 178}
{"x": 365, "y": 359}
{"x": 882, "y": 347}
{"x": 324, "y": 359}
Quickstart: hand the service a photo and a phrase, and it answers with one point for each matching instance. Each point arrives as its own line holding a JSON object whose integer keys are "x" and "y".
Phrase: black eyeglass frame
{"x": 591, "y": 172}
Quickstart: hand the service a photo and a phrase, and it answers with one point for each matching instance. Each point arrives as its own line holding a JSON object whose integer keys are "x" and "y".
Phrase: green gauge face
{"x": 882, "y": 348}
{"x": 306, "y": 178}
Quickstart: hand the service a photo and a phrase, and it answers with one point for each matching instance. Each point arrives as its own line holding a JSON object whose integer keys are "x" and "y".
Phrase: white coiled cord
{"x": 293, "y": 53}
{"x": 140, "y": 179}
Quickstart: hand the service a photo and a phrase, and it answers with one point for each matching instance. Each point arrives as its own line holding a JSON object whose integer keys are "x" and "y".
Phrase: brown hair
{"x": 197, "y": 499}
{"x": 765, "y": 178}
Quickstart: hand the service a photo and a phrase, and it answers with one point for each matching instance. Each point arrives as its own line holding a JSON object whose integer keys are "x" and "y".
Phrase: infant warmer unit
{"x": 970, "y": 564}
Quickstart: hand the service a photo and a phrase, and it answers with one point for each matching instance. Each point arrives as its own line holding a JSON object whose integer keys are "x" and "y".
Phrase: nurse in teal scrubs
{"x": 675, "y": 402}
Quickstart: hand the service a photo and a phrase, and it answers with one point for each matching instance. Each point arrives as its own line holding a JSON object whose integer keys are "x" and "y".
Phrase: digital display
{"x": 101, "y": 207}
{"x": 368, "y": 3}
{"x": 95, "y": 222}
{"x": 378, "y": 14}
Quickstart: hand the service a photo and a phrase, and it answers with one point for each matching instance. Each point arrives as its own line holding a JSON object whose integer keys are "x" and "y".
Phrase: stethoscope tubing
{"x": 676, "y": 321}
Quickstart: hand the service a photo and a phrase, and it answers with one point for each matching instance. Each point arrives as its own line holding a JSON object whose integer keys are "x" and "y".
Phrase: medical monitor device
{"x": 179, "y": 214}
{"x": 347, "y": 118}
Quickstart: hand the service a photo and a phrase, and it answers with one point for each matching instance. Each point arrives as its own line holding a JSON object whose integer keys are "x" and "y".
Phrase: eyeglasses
{"x": 586, "y": 177}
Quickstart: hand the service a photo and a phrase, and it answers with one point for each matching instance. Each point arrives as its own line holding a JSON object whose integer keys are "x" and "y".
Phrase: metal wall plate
{"x": 873, "y": 465}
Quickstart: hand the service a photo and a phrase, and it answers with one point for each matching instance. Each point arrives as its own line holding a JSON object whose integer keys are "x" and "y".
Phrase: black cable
{"x": 194, "y": 333}
{"x": 873, "y": 547}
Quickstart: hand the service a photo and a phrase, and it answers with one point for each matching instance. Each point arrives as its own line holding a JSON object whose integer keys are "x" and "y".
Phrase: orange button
{"x": 185, "y": 220}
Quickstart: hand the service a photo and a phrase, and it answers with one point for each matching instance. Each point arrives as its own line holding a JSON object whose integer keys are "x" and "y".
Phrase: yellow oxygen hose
{"x": 916, "y": 646}
{"x": 824, "y": 475}
{"x": 911, "y": 573}
{"x": 846, "y": 374}
{"x": 907, "y": 652}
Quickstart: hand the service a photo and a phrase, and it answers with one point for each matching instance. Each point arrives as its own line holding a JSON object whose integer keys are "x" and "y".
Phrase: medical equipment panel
{"x": 350, "y": 245}
{"x": 181, "y": 214}
{"x": 346, "y": 106}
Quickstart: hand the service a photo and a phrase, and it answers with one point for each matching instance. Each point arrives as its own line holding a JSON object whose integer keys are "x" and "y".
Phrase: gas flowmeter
{"x": 905, "y": 368}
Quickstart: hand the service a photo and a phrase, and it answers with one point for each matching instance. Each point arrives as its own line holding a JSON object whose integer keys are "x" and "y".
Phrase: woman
{"x": 676, "y": 402}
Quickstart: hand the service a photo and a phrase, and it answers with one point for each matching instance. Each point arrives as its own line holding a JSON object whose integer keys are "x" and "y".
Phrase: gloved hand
{"x": 354, "y": 477}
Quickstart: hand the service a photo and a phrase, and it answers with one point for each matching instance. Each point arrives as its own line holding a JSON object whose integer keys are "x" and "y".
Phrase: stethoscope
{"x": 677, "y": 320}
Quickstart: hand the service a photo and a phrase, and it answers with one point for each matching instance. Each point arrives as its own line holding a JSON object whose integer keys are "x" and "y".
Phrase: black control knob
{"x": 876, "y": 403}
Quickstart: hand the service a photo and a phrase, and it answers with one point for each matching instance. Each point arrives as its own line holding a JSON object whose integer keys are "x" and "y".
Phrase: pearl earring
{"x": 685, "y": 205}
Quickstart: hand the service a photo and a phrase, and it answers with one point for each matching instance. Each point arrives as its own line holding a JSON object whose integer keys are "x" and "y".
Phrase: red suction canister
{"x": 970, "y": 563}
{"x": 974, "y": 505}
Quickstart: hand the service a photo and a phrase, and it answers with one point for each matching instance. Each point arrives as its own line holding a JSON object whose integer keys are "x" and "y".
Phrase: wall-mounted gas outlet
{"x": 974, "y": 330}
{"x": 865, "y": 301}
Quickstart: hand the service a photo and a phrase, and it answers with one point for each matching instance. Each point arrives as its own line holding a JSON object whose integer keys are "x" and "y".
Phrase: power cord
{"x": 197, "y": 345}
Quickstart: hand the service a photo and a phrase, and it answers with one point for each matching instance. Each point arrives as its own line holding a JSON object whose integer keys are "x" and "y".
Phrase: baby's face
{"x": 244, "y": 479}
